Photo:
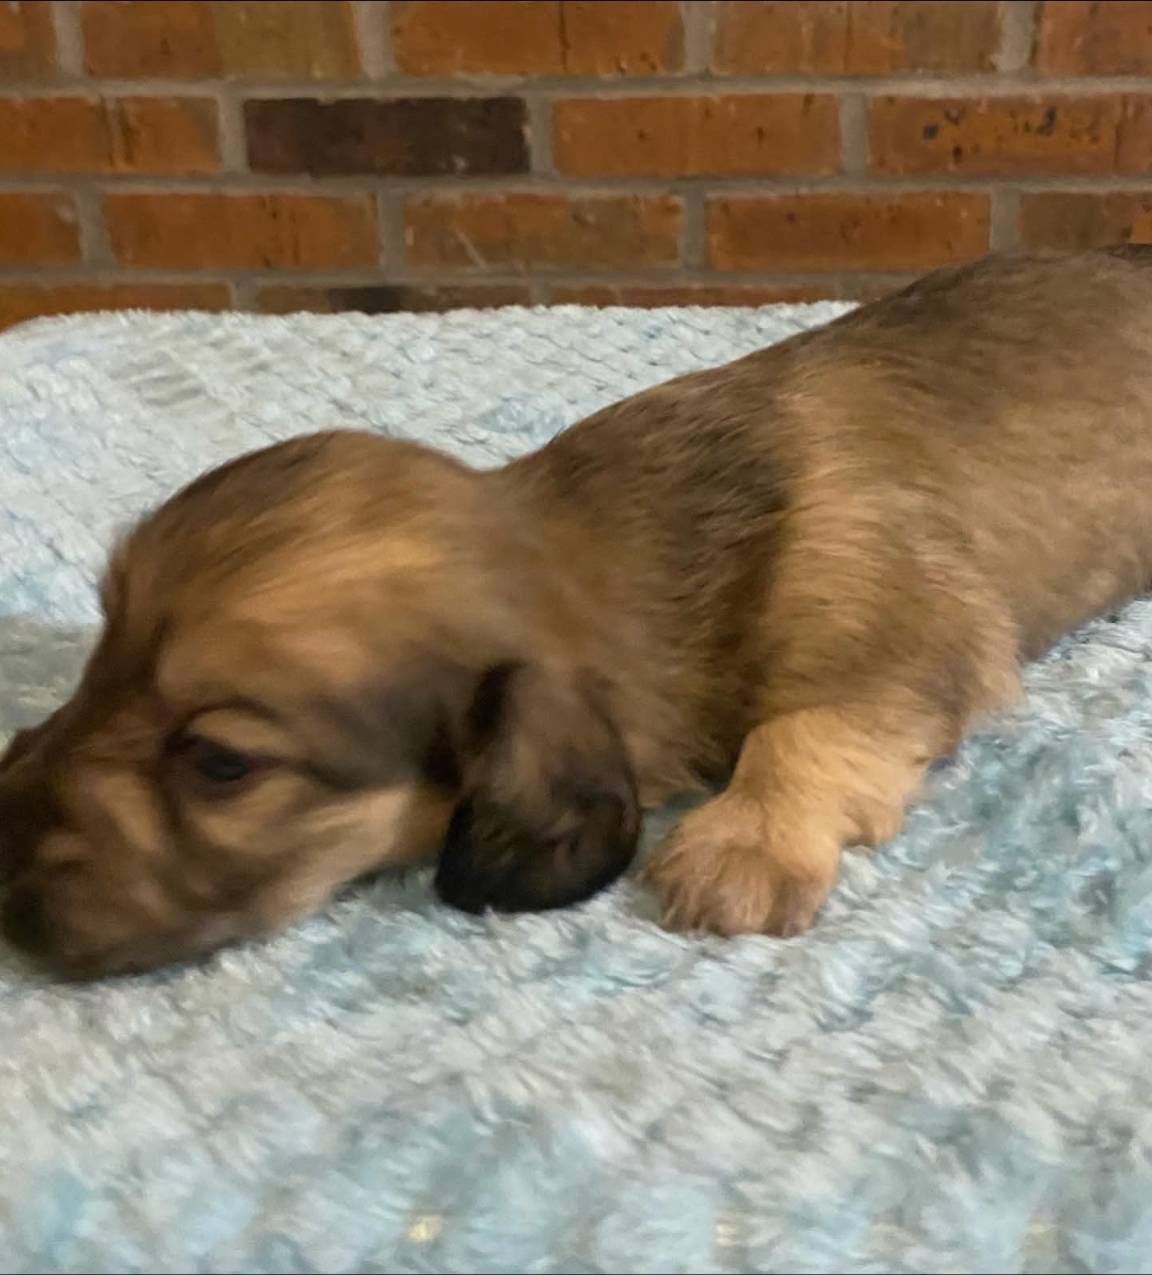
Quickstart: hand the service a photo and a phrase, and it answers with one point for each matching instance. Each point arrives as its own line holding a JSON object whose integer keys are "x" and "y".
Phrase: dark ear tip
{"x": 550, "y": 816}
{"x": 489, "y": 862}
{"x": 457, "y": 881}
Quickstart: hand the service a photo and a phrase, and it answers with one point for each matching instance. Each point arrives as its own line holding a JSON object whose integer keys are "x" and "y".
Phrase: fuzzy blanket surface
{"x": 951, "y": 1072}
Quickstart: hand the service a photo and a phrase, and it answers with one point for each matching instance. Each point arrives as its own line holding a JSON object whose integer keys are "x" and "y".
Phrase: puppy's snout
{"x": 25, "y": 742}
{"x": 26, "y": 812}
{"x": 15, "y": 849}
{"x": 18, "y": 747}
{"x": 24, "y": 920}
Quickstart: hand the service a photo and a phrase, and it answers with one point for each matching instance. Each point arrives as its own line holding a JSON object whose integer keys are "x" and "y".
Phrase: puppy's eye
{"x": 218, "y": 765}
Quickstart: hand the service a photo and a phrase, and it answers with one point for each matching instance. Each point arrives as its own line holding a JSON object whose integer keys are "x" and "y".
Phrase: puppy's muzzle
{"x": 26, "y": 811}
{"x": 15, "y": 845}
{"x": 24, "y": 920}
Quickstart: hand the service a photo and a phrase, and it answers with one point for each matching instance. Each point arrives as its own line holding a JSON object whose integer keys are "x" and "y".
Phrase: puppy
{"x": 794, "y": 580}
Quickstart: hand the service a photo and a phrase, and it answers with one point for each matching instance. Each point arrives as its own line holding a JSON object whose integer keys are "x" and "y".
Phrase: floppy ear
{"x": 549, "y": 814}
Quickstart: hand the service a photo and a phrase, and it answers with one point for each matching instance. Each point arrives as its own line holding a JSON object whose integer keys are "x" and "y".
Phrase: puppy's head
{"x": 315, "y": 662}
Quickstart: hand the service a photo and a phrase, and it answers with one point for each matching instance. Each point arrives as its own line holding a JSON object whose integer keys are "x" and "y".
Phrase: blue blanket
{"x": 951, "y": 1072}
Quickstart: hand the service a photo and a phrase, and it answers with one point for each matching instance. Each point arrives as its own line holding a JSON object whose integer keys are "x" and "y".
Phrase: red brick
{"x": 163, "y": 135}
{"x": 738, "y": 135}
{"x": 756, "y": 37}
{"x": 537, "y": 37}
{"x": 998, "y": 135}
{"x": 530, "y": 231}
{"x": 18, "y": 303}
{"x": 1134, "y": 143}
{"x": 53, "y": 134}
{"x": 1095, "y": 37}
{"x": 128, "y": 38}
{"x": 410, "y": 137}
{"x": 27, "y": 40}
{"x": 384, "y": 298}
{"x": 499, "y": 37}
{"x": 38, "y": 229}
{"x": 260, "y": 39}
{"x": 286, "y": 39}
{"x": 844, "y": 231}
{"x": 242, "y": 231}
{"x": 858, "y": 37}
{"x": 649, "y": 296}
{"x": 1081, "y": 220}
{"x": 621, "y": 37}
{"x": 91, "y": 135}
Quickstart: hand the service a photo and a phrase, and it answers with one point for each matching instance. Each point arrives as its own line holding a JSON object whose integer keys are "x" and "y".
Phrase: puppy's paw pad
{"x": 711, "y": 875}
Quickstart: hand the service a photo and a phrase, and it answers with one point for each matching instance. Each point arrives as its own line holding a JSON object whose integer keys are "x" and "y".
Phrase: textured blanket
{"x": 952, "y": 1072}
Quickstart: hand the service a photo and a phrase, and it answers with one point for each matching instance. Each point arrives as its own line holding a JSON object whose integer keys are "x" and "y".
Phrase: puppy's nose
{"x": 15, "y": 850}
{"x": 23, "y": 743}
{"x": 27, "y": 812}
{"x": 24, "y": 920}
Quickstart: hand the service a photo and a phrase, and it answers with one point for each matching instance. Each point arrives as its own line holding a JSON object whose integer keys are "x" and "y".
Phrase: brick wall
{"x": 420, "y": 154}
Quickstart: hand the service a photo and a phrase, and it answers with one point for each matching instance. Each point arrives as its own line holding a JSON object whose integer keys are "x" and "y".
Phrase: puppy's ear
{"x": 549, "y": 814}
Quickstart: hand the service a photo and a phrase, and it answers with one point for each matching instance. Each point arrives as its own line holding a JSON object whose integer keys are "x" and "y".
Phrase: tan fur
{"x": 763, "y": 854}
{"x": 799, "y": 577}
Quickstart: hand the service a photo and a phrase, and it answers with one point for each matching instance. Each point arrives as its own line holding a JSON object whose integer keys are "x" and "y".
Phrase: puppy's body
{"x": 802, "y": 575}
{"x": 926, "y": 490}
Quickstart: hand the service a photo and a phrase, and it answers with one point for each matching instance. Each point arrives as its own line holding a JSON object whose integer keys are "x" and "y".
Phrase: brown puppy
{"x": 802, "y": 575}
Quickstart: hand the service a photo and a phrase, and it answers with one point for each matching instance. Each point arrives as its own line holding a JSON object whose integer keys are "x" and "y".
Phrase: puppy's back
{"x": 1005, "y": 404}
{"x": 1020, "y": 388}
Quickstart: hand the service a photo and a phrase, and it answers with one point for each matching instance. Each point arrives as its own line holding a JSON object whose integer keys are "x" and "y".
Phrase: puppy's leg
{"x": 762, "y": 856}
{"x": 882, "y": 640}
{"x": 829, "y": 767}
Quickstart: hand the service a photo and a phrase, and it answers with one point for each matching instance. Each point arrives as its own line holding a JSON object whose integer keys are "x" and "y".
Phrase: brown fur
{"x": 801, "y": 575}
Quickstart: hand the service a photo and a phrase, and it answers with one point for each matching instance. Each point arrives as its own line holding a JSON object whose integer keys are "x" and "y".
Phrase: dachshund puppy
{"x": 796, "y": 580}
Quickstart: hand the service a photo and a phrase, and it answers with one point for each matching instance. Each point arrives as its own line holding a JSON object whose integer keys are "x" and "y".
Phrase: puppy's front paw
{"x": 723, "y": 869}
